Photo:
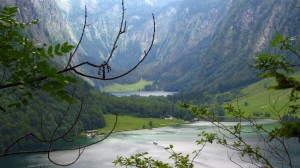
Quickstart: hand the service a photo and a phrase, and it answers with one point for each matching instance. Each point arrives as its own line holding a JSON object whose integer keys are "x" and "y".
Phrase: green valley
{"x": 63, "y": 62}
{"x": 138, "y": 86}
{"x": 126, "y": 123}
{"x": 259, "y": 100}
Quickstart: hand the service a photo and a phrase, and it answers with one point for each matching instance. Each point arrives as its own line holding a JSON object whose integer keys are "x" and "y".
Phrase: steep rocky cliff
{"x": 245, "y": 31}
{"x": 181, "y": 27}
{"x": 104, "y": 20}
{"x": 190, "y": 32}
{"x": 51, "y": 25}
{"x": 199, "y": 44}
{"x": 222, "y": 61}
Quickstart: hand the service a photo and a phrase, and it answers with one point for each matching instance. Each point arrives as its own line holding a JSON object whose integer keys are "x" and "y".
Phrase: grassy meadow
{"x": 127, "y": 87}
{"x": 126, "y": 123}
{"x": 259, "y": 99}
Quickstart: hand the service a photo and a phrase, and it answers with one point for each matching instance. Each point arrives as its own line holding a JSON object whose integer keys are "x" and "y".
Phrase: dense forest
{"x": 43, "y": 108}
{"x": 43, "y": 100}
{"x": 39, "y": 106}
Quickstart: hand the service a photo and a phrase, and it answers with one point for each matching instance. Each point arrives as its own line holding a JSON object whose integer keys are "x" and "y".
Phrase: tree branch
{"x": 69, "y": 68}
{"x": 146, "y": 53}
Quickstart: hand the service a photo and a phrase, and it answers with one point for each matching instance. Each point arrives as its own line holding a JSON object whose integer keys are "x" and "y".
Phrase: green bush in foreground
{"x": 271, "y": 143}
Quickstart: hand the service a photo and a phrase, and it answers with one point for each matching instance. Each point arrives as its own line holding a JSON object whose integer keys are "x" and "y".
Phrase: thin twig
{"x": 79, "y": 42}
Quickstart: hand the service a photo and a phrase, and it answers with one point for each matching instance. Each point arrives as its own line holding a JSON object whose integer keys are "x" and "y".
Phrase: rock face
{"x": 181, "y": 27}
{"x": 177, "y": 22}
{"x": 104, "y": 18}
{"x": 221, "y": 61}
{"x": 244, "y": 32}
{"x": 199, "y": 44}
{"x": 51, "y": 26}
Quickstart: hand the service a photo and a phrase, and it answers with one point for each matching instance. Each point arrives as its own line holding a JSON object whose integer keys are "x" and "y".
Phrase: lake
{"x": 143, "y": 93}
{"x": 183, "y": 137}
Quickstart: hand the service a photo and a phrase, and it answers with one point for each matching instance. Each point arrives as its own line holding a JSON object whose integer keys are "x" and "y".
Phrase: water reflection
{"x": 132, "y": 142}
{"x": 143, "y": 93}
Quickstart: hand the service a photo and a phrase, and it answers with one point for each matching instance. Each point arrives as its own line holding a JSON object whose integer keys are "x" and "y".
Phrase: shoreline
{"x": 124, "y": 130}
{"x": 132, "y": 125}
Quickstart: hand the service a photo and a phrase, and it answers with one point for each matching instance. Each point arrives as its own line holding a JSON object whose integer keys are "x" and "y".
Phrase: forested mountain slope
{"x": 181, "y": 26}
{"x": 40, "y": 113}
{"x": 199, "y": 44}
{"x": 246, "y": 30}
{"x": 51, "y": 26}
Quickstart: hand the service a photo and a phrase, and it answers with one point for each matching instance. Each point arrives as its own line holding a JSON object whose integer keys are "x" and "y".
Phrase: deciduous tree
{"x": 27, "y": 67}
{"x": 271, "y": 147}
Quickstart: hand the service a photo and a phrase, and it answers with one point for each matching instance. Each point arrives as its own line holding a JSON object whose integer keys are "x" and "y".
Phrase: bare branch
{"x": 122, "y": 30}
{"x": 146, "y": 53}
{"x": 2, "y": 109}
{"x": 69, "y": 67}
{"x": 3, "y": 76}
{"x": 230, "y": 157}
{"x": 79, "y": 42}
{"x": 104, "y": 67}
{"x": 197, "y": 152}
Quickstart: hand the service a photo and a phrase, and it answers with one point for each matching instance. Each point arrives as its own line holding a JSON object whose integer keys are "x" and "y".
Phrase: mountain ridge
{"x": 246, "y": 30}
{"x": 199, "y": 45}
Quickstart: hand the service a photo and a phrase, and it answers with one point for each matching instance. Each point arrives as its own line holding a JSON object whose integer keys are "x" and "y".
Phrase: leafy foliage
{"x": 270, "y": 142}
{"x": 141, "y": 160}
{"x": 279, "y": 67}
{"x": 41, "y": 116}
{"x": 26, "y": 66}
{"x": 27, "y": 71}
{"x": 145, "y": 107}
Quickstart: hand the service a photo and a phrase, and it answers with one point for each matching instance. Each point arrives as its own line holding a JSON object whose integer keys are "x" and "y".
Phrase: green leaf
{"x": 57, "y": 50}
{"x": 34, "y": 22}
{"x": 61, "y": 93}
{"x": 11, "y": 105}
{"x": 65, "y": 48}
{"x": 276, "y": 40}
{"x": 42, "y": 53}
{"x": 11, "y": 11}
{"x": 53, "y": 72}
{"x": 56, "y": 85}
{"x": 70, "y": 79}
{"x": 25, "y": 102}
{"x": 43, "y": 67}
{"x": 18, "y": 105}
{"x": 50, "y": 50}
{"x": 47, "y": 87}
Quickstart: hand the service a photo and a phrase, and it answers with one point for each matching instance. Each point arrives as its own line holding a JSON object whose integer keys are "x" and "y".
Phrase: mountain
{"x": 42, "y": 111}
{"x": 51, "y": 26}
{"x": 104, "y": 21}
{"x": 178, "y": 23}
{"x": 221, "y": 60}
{"x": 245, "y": 31}
{"x": 199, "y": 44}
{"x": 191, "y": 31}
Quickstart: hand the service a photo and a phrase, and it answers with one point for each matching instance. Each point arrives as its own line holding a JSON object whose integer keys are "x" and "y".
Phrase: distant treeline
{"x": 146, "y": 107}
{"x": 43, "y": 113}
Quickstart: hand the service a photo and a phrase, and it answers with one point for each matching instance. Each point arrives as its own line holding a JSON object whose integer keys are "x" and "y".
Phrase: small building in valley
{"x": 169, "y": 117}
{"x": 90, "y": 133}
